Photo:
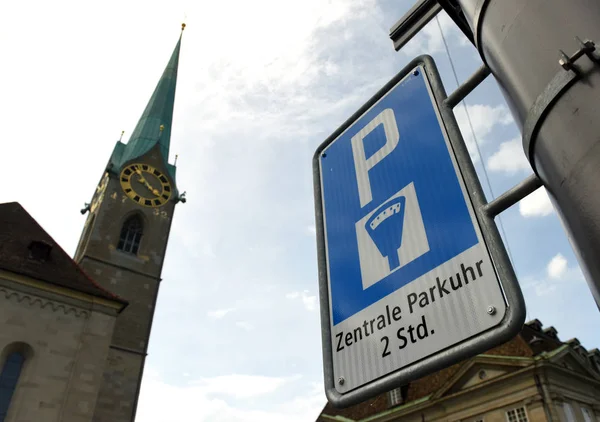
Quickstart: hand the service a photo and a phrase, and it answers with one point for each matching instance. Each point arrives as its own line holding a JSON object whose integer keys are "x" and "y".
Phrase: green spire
{"x": 154, "y": 127}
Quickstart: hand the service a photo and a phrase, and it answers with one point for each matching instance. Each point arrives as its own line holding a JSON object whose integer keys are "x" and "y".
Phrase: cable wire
{"x": 464, "y": 103}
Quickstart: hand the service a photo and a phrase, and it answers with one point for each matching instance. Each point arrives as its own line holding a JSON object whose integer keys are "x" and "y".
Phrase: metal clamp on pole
{"x": 588, "y": 47}
{"x": 563, "y": 80}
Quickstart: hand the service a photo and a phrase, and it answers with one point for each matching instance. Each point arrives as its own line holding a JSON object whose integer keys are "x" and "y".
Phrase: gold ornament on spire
{"x": 161, "y": 128}
{"x": 182, "y": 26}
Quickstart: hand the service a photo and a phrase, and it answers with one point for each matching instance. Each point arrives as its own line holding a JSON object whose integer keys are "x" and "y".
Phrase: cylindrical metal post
{"x": 520, "y": 42}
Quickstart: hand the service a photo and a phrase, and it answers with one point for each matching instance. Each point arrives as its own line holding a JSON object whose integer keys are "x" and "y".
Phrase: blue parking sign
{"x": 407, "y": 282}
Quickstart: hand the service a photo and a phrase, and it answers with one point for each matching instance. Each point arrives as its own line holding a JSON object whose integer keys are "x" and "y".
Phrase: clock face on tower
{"x": 99, "y": 196}
{"x": 145, "y": 185}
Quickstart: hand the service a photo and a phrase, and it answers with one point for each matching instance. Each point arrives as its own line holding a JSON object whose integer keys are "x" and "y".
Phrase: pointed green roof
{"x": 154, "y": 127}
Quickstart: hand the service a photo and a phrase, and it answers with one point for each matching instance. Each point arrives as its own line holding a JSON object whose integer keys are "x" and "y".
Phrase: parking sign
{"x": 406, "y": 276}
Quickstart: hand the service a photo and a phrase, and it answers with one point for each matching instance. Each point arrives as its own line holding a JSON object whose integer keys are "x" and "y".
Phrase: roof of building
{"x": 154, "y": 126}
{"x": 532, "y": 342}
{"x": 27, "y": 249}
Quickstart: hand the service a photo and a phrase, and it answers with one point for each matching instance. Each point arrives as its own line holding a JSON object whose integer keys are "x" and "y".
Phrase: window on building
{"x": 8, "y": 381}
{"x": 517, "y": 415}
{"x": 569, "y": 415}
{"x": 395, "y": 396}
{"x": 131, "y": 234}
{"x": 588, "y": 416}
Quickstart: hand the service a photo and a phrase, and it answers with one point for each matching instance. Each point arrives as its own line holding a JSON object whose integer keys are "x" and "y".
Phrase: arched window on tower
{"x": 8, "y": 380}
{"x": 131, "y": 234}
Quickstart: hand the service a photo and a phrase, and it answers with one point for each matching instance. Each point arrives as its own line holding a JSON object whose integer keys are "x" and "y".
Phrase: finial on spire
{"x": 122, "y": 133}
{"x": 182, "y": 26}
{"x": 161, "y": 128}
{"x": 176, "y": 157}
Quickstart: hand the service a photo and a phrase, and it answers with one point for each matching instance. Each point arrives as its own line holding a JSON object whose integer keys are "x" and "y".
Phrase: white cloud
{"x": 219, "y": 313}
{"x": 309, "y": 301}
{"x": 558, "y": 274}
{"x": 557, "y": 267}
{"x": 536, "y": 204}
{"x": 245, "y": 325}
{"x": 483, "y": 118}
{"x": 208, "y": 250}
{"x": 231, "y": 398}
{"x": 509, "y": 158}
{"x": 242, "y": 386}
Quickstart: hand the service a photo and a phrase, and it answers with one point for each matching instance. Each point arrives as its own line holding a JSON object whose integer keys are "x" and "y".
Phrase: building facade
{"x": 74, "y": 332}
{"x": 56, "y": 326}
{"x": 535, "y": 377}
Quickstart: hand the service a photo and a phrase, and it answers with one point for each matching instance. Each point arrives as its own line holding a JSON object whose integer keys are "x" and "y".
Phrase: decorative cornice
{"x": 40, "y": 287}
{"x": 43, "y": 303}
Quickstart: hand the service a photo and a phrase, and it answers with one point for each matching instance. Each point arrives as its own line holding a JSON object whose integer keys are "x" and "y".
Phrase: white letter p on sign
{"x": 362, "y": 165}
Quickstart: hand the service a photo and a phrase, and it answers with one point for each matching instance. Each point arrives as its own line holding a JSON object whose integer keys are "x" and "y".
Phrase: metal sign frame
{"x": 514, "y": 317}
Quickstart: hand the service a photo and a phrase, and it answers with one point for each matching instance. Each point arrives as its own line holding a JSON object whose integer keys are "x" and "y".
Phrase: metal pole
{"x": 555, "y": 99}
{"x": 468, "y": 86}
{"x": 512, "y": 196}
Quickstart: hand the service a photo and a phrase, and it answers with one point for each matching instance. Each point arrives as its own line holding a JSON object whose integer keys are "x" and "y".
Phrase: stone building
{"x": 74, "y": 331}
{"x": 535, "y": 377}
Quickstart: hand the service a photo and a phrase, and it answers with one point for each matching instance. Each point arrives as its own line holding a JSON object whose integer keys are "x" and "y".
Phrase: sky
{"x": 236, "y": 335}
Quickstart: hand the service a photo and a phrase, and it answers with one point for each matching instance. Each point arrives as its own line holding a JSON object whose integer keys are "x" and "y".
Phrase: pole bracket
{"x": 560, "y": 83}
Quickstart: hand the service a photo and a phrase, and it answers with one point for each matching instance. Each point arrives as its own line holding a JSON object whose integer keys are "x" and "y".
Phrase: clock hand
{"x": 148, "y": 185}
{"x": 151, "y": 189}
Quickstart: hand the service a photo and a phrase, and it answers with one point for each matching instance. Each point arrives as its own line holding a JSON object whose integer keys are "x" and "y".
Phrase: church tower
{"x": 124, "y": 241}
